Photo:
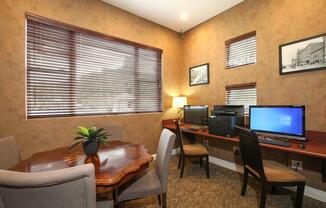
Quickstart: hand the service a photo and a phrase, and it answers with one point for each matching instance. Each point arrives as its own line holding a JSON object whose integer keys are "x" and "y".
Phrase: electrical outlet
{"x": 236, "y": 150}
{"x": 295, "y": 164}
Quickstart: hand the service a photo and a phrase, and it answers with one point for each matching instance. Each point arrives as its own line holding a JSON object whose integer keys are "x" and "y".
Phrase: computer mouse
{"x": 302, "y": 146}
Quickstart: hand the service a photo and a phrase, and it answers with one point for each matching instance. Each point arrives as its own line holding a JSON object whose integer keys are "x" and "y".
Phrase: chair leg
{"x": 180, "y": 158}
{"x": 207, "y": 166}
{"x": 159, "y": 199}
{"x": 164, "y": 200}
{"x": 263, "y": 197}
{"x": 300, "y": 193}
{"x": 201, "y": 162}
{"x": 244, "y": 182}
{"x": 182, "y": 166}
{"x": 120, "y": 204}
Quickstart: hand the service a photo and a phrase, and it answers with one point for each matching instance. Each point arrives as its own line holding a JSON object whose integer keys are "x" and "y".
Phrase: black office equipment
{"x": 223, "y": 125}
{"x": 236, "y": 110}
{"x": 196, "y": 114}
{"x": 268, "y": 140}
{"x": 224, "y": 118}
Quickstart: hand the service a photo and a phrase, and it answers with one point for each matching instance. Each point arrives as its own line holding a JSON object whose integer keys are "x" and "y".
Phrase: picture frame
{"x": 199, "y": 75}
{"x": 303, "y": 55}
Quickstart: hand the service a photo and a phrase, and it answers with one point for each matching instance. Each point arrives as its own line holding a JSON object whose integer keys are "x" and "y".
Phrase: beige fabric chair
{"x": 9, "y": 152}
{"x": 155, "y": 182}
{"x": 66, "y": 188}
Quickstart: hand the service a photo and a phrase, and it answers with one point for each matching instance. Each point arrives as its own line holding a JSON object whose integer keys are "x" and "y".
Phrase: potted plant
{"x": 90, "y": 138}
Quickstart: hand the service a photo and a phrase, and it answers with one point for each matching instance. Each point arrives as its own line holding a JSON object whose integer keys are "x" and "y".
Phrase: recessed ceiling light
{"x": 183, "y": 16}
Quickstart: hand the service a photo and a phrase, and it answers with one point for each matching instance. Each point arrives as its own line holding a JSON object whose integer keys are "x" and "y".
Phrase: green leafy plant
{"x": 93, "y": 134}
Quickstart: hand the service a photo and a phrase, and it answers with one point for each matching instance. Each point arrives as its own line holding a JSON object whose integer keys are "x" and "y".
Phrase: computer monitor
{"x": 196, "y": 114}
{"x": 283, "y": 121}
{"x": 237, "y": 110}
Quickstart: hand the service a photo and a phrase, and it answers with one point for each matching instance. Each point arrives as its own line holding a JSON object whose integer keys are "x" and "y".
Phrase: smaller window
{"x": 243, "y": 94}
{"x": 241, "y": 50}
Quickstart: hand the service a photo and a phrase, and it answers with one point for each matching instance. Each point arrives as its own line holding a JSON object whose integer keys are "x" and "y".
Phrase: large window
{"x": 241, "y": 50}
{"x": 73, "y": 71}
{"x": 242, "y": 94}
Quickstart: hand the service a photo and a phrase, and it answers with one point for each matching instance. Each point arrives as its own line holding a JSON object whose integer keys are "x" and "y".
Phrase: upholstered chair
{"x": 191, "y": 151}
{"x": 269, "y": 173}
{"x": 65, "y": 188}
{"x": 9, "y": 152}
{"x": 154, "y": 182}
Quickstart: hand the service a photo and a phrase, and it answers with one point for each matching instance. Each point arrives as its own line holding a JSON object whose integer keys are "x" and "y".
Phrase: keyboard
{"x": 267, "y": 140}
{"x": 192, "y": 128}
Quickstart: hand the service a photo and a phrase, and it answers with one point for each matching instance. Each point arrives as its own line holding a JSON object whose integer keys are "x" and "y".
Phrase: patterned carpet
{"x": 222, "y": 190}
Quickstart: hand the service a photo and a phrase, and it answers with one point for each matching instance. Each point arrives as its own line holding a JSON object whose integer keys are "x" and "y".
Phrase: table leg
{"x": 323, "y": 170}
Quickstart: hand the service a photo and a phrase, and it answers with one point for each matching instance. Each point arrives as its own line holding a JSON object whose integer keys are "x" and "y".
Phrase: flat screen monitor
{"x": 287, "y": 121}
{"x": 196, "y": 114}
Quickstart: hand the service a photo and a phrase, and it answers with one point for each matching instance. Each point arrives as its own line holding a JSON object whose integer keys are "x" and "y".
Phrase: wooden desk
{"x": 315, "y": 146}
{"x": 114, "y": 164}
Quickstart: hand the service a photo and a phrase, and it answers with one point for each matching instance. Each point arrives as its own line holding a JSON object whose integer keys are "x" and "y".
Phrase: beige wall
{"x": 42, "y": 134}
{"x": 276, "y": 22}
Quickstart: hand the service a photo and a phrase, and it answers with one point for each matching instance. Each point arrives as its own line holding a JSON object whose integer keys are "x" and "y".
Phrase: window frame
{"x": 72, "y": 28}
{"x": 243, "y": 86}
{"x": 237, "y": 39}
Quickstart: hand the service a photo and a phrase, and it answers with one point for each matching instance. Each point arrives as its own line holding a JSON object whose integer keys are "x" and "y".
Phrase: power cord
{"x": 296, "y": 167}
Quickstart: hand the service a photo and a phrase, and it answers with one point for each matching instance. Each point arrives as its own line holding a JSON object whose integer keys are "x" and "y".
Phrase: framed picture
{"x": 303, "y": 55}
{"x": 199, "y": 75}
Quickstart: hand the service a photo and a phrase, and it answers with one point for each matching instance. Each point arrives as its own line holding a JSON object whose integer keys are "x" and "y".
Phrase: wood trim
{"x": 239, "y": 38}
{"x": 240, "y": 86}
{"x": 70, "y": 27}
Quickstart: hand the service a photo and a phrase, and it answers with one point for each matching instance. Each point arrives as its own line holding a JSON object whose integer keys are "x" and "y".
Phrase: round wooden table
{"x": 115, "y": 164}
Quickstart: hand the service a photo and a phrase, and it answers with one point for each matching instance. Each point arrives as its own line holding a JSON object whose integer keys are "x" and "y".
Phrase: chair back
{"x": 9, "y": 152}
{"x": 164, "y": 152}
{"x": 66, "y": 188}
{"x": 179, "y": 135}
{"x": 250, "y": 152}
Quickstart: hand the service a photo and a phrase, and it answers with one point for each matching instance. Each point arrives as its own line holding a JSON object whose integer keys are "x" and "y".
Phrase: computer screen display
{"x": 285, "y": 120}
{"x": 196, "y": 114}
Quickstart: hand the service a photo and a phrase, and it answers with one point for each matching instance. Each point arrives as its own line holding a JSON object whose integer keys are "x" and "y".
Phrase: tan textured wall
{"x": 43, "y": 134}
{"x": 276, "y": 22}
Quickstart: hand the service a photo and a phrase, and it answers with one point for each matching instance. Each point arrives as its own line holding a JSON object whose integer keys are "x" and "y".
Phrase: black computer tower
{"x": 222, "y": 125}
{"x": 237, "y": 110}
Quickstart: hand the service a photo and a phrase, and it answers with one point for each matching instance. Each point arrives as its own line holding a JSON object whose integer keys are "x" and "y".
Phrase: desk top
{"x": 113, "y": 163}
{"x": 315, "y": 146}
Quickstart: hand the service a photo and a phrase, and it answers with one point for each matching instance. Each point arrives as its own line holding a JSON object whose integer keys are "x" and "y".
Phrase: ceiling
{"x": 178, "y": 15}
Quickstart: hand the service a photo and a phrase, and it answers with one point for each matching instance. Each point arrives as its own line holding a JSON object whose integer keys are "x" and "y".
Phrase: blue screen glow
{"x": 284, "y": 120}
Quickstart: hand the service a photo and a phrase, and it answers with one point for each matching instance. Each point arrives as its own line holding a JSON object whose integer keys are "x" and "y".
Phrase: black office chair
{"x": 269, "y": 173}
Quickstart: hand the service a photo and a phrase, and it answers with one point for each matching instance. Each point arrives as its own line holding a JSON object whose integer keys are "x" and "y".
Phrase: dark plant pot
{"x": 91, "y": 148}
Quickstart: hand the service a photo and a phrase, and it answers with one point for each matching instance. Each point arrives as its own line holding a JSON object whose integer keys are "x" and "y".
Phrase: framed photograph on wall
{"x": 304, "y": 55}
{"x": 199, "y": 75}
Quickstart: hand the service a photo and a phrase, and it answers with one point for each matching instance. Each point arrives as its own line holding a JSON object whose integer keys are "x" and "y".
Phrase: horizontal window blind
{"x": 72, "y": 72}
{"x": 241, "y": 50}
{"x": 242, "y": 95}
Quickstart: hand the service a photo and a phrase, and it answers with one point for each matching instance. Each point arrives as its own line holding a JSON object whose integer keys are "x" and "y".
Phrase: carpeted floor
{"x": 222, "y": 190}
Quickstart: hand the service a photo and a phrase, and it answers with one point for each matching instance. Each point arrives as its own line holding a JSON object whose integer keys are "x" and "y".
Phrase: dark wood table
{"x": 115, "y": 164}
